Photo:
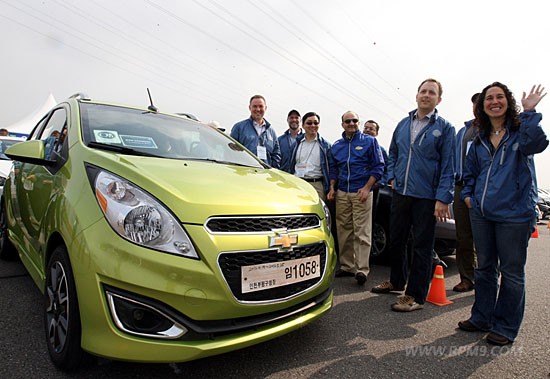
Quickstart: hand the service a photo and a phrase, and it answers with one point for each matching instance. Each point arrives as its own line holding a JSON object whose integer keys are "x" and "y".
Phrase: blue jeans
{"x": 407, "y": 212}
{"x": 501, "y": 249}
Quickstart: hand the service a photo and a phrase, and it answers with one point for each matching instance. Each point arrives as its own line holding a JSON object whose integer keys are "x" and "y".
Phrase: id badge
{"x": 262, "y": 152}
{"x": 300, "y": 171}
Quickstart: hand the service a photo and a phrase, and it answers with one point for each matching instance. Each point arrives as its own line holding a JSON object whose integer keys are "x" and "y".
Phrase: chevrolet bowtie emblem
{"x": 284, "y": 240}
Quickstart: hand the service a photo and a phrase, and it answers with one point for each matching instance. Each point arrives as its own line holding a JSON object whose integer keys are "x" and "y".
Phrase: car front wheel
{"x": 61, "y": 316}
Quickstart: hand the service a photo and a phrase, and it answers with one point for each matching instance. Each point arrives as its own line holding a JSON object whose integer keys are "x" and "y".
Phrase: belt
{"x": 313, "y": 180}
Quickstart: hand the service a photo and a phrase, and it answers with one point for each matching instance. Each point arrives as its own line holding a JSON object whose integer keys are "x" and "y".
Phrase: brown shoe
{"x": 497, "y": 339}
{"x": 467, "y": 326}
{"x": 463, "y": 286}
{"x": 385, "y": 287}
{"x": 406, "y": 303}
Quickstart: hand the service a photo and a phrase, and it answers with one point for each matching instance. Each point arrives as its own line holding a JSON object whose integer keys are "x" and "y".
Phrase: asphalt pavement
{"x": 360, "y": 338}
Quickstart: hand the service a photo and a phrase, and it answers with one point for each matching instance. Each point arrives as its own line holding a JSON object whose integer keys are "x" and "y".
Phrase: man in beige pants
{"x": 357, "y": 164}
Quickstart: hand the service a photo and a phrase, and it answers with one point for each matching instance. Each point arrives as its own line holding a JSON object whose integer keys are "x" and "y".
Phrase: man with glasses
{"x": 311, "y": 157}
{"x": 357, "y": 165}
{"x": 421, "y": 172}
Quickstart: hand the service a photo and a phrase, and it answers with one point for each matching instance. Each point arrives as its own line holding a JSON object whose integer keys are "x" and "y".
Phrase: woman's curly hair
{"x": 482, "y": 121}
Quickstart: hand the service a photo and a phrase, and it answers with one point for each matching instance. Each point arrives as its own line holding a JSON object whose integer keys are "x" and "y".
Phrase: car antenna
{"x": 151, "y": 107}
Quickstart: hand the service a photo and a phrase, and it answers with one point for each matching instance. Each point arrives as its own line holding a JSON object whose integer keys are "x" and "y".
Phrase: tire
{"x": 61, "y": 313}
{"x": 379, "y": 246}
{"x": 7, "y": 250}
{"x": 379, "y": 240}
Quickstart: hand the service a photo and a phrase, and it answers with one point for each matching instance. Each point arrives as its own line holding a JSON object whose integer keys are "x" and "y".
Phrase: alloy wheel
{"x": 57, "y": 309}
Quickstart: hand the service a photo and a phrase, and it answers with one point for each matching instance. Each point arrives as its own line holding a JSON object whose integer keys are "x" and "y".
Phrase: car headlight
{"x": 138, "y": 217}
{"x": 327, "y": 216}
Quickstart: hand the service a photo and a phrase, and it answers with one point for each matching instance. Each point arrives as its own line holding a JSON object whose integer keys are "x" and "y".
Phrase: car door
{"x": 36, "y": 184}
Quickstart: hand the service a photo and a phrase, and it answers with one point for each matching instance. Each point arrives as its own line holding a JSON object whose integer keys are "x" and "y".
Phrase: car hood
{"x": 196, "y": 190}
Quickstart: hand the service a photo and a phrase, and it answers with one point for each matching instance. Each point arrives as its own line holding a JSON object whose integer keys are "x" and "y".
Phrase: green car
{"x": 156, "y": 238}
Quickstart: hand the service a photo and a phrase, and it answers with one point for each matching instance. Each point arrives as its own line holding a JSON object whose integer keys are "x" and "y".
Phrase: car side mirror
{"x": 29, "y": 152}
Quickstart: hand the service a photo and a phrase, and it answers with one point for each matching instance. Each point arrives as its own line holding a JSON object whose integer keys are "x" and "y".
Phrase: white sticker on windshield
{"x": 138, "y": 141}
{"x": 107, "y": 136}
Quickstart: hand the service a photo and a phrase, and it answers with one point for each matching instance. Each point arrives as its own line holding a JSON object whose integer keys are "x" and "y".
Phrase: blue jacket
{"x": 355, "y": 160}
{"x": 384, "y": 179}
{"x": 286, "y": 145}
{"x": 246, "y": 134}
{"x": 459, "y": 159}
{"x": 326, "y": 158}
{"x": 502, "y": 185}
{"x": 424, "y": 169}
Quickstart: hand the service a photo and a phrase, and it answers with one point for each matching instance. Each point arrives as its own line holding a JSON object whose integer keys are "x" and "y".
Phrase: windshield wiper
{"x": 218, "y": 161}
{"x": 122, "y": 149}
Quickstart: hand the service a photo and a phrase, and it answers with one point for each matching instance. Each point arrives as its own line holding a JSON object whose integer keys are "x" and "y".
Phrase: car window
{"x": 38, "y": 128}
{"x": 53, "y": 134}
{"x": 160, "y": 135}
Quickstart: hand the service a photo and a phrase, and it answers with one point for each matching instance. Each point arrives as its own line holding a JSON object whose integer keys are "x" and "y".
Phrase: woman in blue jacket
{"x": 500, "y": 190}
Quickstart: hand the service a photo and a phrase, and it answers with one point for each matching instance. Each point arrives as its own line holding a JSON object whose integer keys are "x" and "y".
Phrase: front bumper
{"x": 192, "y": 293}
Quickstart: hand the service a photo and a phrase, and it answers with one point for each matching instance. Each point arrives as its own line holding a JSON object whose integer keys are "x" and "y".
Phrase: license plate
{"x": 264, "y": 276}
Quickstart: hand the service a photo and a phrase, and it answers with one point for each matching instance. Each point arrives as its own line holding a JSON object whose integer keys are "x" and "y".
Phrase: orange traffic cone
{"x": 536, "y": 232}
{"x": 437, "y": 294}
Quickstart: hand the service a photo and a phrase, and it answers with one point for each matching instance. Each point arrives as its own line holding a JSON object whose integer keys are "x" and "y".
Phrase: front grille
{"x": 261, "y": 224}
{"x": 231, "y": 263}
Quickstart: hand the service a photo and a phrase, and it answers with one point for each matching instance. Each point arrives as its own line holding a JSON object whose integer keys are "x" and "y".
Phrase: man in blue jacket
{"x": 465, "y": 251}
{"x": 256, "y": 133}
{"x": 356, "y": 166}
{"x": 287, "y": 141}
{"x": 421, "y": 172}
{"x": 372, "y": 128}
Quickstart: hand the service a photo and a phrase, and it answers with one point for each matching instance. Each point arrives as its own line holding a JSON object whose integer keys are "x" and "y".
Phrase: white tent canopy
{"x": 25, "y": 125}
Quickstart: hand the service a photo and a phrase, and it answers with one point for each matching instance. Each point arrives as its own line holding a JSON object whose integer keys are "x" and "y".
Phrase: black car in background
{"x": 544, "y": 203}
{"x": 445, "y": 237}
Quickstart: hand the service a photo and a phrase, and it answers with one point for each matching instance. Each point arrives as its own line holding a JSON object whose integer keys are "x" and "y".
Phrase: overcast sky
{"x": 208, "y": 57}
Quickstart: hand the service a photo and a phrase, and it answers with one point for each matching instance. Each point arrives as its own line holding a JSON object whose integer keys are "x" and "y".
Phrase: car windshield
{"x": 138, "y": 132}
{"x": 5, "y": 143}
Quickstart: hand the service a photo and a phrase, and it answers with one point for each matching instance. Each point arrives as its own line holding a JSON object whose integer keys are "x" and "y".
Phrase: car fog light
{"x": 141, "y": 319}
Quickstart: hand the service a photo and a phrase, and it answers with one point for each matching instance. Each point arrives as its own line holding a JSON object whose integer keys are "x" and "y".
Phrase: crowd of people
{"x": 486, "y": 171}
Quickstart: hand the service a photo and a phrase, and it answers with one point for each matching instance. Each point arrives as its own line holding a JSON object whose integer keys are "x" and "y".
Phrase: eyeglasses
{"x": 312, "y": 123}
{"x": 350, "y": 120}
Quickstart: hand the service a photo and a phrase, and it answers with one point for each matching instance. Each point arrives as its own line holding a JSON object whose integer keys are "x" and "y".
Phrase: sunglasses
{"x": 350, "y": 120}
{"x": 312, "y": 123}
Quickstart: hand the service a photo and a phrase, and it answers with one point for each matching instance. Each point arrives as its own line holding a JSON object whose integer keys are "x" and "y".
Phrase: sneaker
{"x": 341, "y": 273}
{"x": 385, "y": 287}
{"x": 406, "y": 303}
{"x": 361, "y": 278}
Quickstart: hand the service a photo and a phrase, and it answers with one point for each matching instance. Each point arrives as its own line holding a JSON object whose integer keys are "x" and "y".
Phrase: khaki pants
{"x": 354, "y": 227}
{"x": 320, "y": 190}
